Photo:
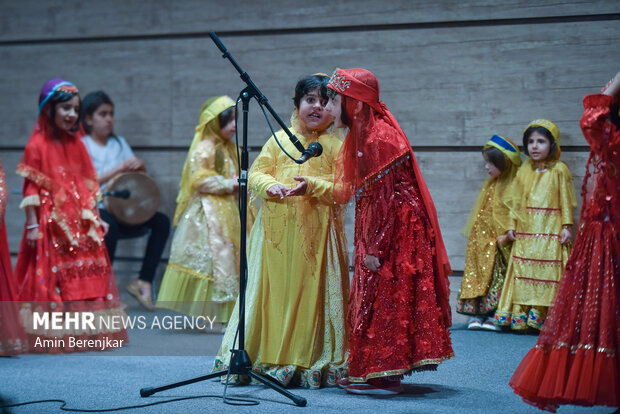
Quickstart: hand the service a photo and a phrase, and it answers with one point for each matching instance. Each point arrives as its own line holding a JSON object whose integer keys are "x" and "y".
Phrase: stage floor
{"x": 475, "y": 381}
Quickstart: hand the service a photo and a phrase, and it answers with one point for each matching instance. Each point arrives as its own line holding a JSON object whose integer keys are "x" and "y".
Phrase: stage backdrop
{"x": 453, "y": 72}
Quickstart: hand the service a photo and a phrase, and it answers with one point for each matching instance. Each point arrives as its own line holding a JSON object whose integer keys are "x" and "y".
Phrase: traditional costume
{"x": 398, "y": 316}
{"x": 298, "y": 270}
{"x": 486, "y": 260}
{"x": 12, "y": 336}
{"x": 575, "y": 360}
{"x": 541, "y": 203}
{"x": 202, "y": 276}
{"x": 69, "y": 268}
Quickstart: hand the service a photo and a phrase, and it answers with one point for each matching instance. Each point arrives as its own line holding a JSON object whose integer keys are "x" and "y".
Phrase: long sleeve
{"x": 378, "y": 222}
{"x": 322, "y": 186}
{"x": 203, "y": 174}
{"x": 31, "y": 162}
{"x": 596, "y": 112}
{"x": 261, "y": 175}
{"x": 567, "y": 193}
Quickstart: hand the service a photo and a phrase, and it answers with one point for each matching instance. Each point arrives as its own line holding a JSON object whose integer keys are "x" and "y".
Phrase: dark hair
{"x": 308, "y": 83}
{"x": 226, "y": 116}
{"x": 614, "y": 115}
{"x": 343, "y": 114}
{"x": 57, "y": 97}
{"x": 91, "y": 103}
{"x": 542, "y": 131}
{"x": 496, "y": 157}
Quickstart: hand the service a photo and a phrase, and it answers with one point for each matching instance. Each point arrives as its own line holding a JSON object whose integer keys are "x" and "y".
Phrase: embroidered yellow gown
{"x": 486, "y": 261}
{"x": 202, "y": 276}
{"x": 543, "y": 203}
{"x": 298, "y": 278}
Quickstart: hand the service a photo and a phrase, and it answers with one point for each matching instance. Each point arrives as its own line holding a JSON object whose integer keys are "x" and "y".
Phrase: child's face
{"x": 312, "y": 113}
{"x": 101, "y": 122}
{"x": 67, "y": 113}
{"x": 538, "y": 146}
{"x": 334, "y": 107}
{"x": 492, "y": 170}
{"x": 228, "y": 131}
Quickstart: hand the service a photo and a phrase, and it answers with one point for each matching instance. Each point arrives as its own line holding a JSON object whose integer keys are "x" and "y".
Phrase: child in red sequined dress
{"x": 62, "y": 264}
{"x": 398, "y": 312}
{"x": 575, "y": 360}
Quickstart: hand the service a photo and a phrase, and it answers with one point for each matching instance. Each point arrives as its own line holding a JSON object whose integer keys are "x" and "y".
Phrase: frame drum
{"x": 143, "y": 200}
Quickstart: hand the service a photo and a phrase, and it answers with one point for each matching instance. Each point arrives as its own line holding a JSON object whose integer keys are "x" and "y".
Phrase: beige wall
{"x": 452, "y": 72}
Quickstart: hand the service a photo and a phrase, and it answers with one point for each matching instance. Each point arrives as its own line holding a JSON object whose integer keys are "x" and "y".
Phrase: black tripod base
{"x": 240, "y": 364}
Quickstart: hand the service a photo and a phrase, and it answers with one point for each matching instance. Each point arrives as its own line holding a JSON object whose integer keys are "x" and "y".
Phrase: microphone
{"x": 124, "y": 194}
{"x": 314, "y": 150}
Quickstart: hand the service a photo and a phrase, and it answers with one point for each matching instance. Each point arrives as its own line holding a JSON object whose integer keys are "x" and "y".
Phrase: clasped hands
{"x": 278, "y": 190}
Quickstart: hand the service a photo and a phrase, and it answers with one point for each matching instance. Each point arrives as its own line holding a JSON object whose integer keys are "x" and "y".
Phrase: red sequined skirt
{"x": 576, "y": 358}
{"x": 396, "y": 322}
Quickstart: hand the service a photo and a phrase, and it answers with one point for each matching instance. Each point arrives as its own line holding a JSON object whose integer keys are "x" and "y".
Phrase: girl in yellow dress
{"x": 202, "y": 276}
{"x": 488, "y": 247}
{"x": 541, "y": 201}
{"x": 298, "y": 277}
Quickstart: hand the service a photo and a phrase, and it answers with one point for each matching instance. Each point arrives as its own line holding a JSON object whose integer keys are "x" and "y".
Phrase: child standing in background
{"x": 202, "y": 276}
{"x": 541, "y": 199}
{"x": 488, "y": 247}
{"x": 62, "y": 256}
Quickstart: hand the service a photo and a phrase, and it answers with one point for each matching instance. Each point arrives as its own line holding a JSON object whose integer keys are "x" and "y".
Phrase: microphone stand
{"x": 240, "y": 362}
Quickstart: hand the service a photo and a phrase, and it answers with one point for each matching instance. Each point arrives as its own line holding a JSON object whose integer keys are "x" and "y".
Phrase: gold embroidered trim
{"x": 31, "y": 200}
{"x": 537, "y": 281}
{"x": 575, "y": 348}
{"x": 537, "y": 236}
{"x": 189, "y": 271}
{"x": 543, "y": 210}
{"x": 539, "y": 262}
{"x": 382, "y": 374}
{"x": 33, "y": 175}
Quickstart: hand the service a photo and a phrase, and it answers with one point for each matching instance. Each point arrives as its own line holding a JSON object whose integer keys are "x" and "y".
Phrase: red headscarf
{"x": 374, "y": 141}
{"x": 56, "y": 163}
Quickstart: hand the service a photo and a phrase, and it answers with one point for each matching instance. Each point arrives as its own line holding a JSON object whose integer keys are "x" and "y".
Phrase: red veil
{"x": 61, "y": 181}
{"x": 373, "y": 142}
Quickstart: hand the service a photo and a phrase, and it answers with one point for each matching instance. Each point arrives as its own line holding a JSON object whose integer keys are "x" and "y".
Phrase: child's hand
{"x": 300, "y": 189}
{"x": 565, "y": 236}
{"x": 503, "y": 240}
{"x": 372, "y": 263}
{"x": 512, "y": 235}
{"x": 277, "y": 190}
{"x": 104, "y": 226}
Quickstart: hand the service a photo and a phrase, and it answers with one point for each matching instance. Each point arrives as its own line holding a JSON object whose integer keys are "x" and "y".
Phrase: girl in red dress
{"x": 399, "y": 313}
{"x": 62, "y": 256}
{"x": 12, "y": 337}
{"x": 575, "y": 360}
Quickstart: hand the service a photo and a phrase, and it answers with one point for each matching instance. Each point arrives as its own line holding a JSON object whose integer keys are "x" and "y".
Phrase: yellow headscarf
{"x": 555, "y": 133}
{"x": 208, "y": 128}
{"x": 501, "y": 215}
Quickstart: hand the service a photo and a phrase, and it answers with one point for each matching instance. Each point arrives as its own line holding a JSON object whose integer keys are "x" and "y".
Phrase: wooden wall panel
{"x": 446, "y": 87}
{"x": 57, "y": 19}
{"x": 450, "y": 85}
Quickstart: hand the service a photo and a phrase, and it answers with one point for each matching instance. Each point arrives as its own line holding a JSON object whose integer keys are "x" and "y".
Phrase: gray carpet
{"x": 475, "y": 381}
